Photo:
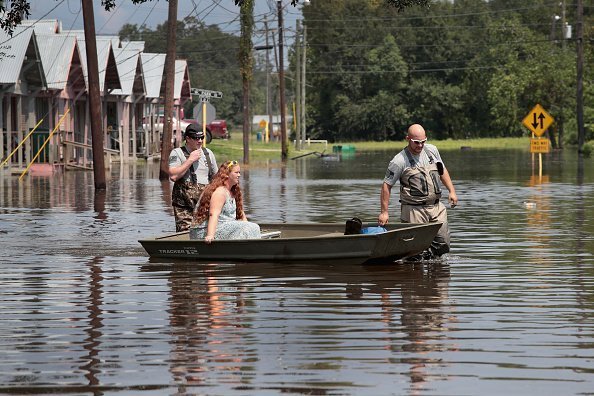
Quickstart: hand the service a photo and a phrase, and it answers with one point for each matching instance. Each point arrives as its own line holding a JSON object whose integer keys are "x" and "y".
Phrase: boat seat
{"x": 271, "y": 234}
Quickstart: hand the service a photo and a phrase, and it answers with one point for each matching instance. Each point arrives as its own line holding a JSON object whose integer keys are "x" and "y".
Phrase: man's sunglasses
{"x": 418, "y": 141}
{"x": 197, "y": 138}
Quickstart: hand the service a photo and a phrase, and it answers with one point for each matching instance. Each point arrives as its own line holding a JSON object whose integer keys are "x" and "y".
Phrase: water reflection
{"x": 228, "y": 322}
{"x": 423, "y": 314}
{"x": 92, "y": 344}
{"x": 202, "y": 313}
{"x": 99, "y": 205}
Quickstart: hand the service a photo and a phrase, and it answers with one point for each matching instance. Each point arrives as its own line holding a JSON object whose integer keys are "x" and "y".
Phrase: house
{"x": 275, "y": 130}
{"x": 130, "y": 139}
{"x": 22, "y": 78}
{"x": 64, "y": 96}
{"x": 44, "y": 92}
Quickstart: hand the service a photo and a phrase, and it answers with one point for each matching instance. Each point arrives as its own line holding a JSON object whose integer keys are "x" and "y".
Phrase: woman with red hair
{"x": 219, "y": 214}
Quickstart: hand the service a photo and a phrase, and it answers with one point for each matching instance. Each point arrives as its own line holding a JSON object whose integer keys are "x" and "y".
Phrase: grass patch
{"x": 232, "y": 149}
{"x": 449, "y": 144}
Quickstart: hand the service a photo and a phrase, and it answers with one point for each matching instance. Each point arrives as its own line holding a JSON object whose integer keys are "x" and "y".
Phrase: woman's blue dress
{"x": 228, "y": 227}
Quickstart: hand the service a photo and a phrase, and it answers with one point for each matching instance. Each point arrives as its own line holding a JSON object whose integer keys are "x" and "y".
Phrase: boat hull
{"x": 301, "y": 242}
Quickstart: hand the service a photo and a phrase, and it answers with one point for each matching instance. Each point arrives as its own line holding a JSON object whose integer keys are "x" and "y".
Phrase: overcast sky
{"x": 223, "y": 13}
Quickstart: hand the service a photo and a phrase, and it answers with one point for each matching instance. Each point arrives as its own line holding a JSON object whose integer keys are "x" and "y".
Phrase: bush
{"x": 570, "y": 136}
{"x": 587, "y": 149}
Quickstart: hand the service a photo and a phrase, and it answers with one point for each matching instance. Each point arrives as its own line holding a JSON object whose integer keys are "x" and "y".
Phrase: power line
{"x": 415, "y": 17}
{"x": 33, "y": 24}
{"x": 410, "y": 71}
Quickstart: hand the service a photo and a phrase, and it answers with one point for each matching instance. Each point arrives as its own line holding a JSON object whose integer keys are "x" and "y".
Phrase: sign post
{"x": 538, "y": 121}
{"x": 205, "y": 96}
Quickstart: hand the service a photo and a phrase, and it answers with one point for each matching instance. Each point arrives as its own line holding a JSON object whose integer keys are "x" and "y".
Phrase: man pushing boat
{"x": 418, "y": 168}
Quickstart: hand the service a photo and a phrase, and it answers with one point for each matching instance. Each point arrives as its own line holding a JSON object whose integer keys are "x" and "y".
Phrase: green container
{"x": 347, "y": 148}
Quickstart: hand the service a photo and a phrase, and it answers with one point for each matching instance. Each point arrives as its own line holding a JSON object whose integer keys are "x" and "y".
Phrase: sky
{"x": 223, "y": 13}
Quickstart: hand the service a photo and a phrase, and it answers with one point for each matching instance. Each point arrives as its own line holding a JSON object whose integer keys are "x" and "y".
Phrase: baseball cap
{"x": 193, "y": 132}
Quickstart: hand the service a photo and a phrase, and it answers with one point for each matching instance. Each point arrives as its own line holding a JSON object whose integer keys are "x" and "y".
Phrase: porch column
{"x": 54, "y": 150}
{"x": 30, "y": 124}
{"x": 133, "y": 126}
{"x": 120, "y": 126}
{"x": 3, "y": 150}
{"x": 126, "y": 129}
{"x": 9, "y": 127}
{"x": 106, "y": 136}
{"x": 154, "y": 131}
{"x": 88, "y": 122}
{"x": 19, "y": 128}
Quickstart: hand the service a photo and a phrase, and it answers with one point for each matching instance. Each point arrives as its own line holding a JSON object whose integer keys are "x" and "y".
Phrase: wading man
{"x": 191, "y": 168}
{"x": 419, "y": 168}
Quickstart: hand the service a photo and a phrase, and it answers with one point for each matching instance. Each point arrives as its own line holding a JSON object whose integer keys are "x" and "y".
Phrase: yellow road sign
{"x": 263, "y": 124}
{"x": 539, "y": 145}
{"x": 538, "y": 120}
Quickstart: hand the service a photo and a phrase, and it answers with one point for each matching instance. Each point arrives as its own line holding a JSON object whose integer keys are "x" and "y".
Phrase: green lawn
{"x": 233, "y": 148}
{"x": 492, "y": 143}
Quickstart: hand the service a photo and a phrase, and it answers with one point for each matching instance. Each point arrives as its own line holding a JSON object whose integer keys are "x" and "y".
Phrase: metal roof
{"x": 44, "y": 26}
{"x": 152, "y": 66}
{"x": 115, "y": 40}
{"x": 12, "y": 53}
{"x": 130, "y": 71}
{"x": 79, "y": 34}
{"x": 17, "y": 54}
{"x": 108, "y": 71}
{"x": 57, "y": 52}
{"x": 133, "y": 45}
{"x": 181, "y": 88}
{"x": 62, "y": 54}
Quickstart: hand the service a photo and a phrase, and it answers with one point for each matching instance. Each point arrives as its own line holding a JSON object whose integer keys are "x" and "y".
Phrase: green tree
{"x": 356, "y": 87}
{"x": 212, "y": 59}
{"x": 532, "y": 71}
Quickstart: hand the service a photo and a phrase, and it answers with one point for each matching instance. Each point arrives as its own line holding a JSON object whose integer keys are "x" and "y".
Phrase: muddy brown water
{"x": 510, "y": 310}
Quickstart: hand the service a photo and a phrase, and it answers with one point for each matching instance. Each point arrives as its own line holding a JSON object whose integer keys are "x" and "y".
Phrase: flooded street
{"x": 510, "y": 310}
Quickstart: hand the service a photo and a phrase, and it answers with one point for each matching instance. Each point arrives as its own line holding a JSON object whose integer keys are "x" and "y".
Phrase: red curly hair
{"x": 220, "y": 178}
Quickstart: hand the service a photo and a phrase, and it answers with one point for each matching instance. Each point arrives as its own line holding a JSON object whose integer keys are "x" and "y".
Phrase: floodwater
{"x": 84, "y": 311}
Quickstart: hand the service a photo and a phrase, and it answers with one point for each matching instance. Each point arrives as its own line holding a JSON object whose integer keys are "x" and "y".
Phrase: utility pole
{"x": 561, "y": 121}
{"x": 580, "y": 74}
{"x": 297, "y": 86}
{"x": 94, "y": 95}
{"x": 303, "y": 59}
{"x": 281, "y": 76}
{"x": 564, "y": 24}
{"x": 268, "y": 101}
{"x": 169, "y": 85}
{"x": 553, "y": 32}
{"x": 246, "y": 70}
